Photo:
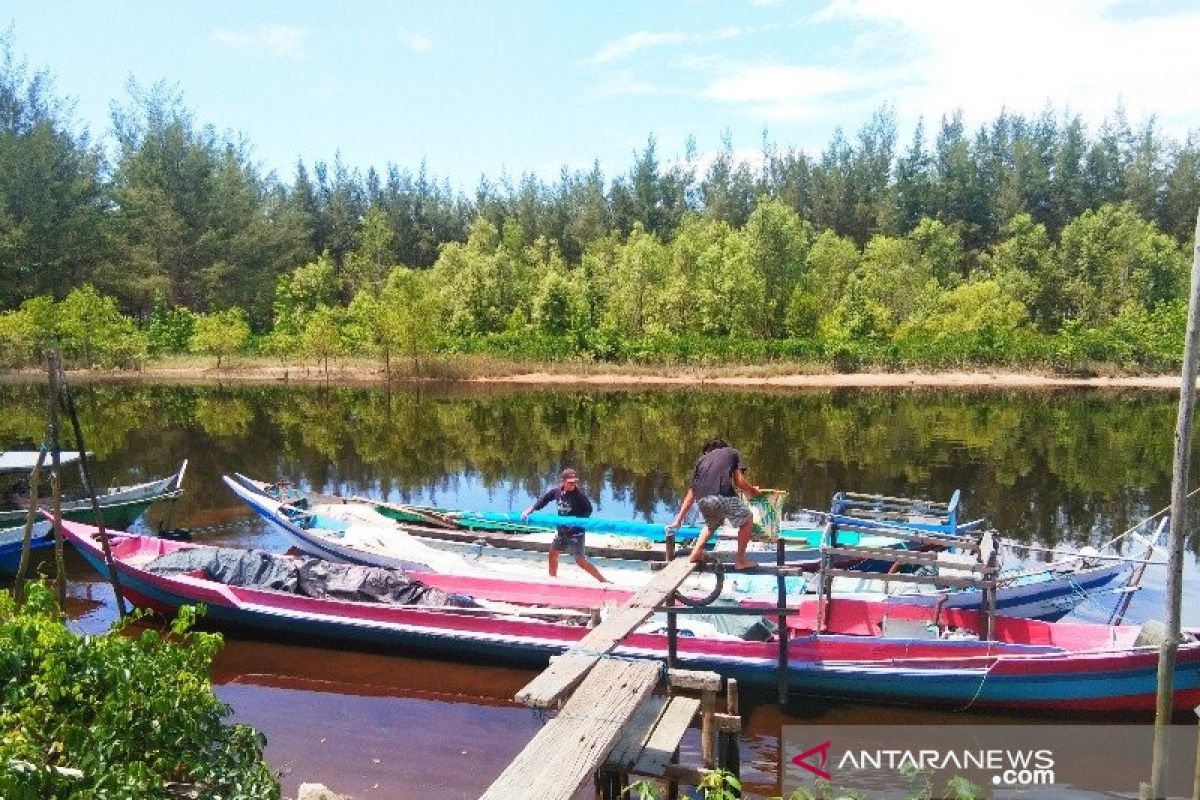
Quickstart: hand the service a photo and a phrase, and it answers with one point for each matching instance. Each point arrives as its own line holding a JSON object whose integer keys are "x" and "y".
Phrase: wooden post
{"x": 1179, "y": 482}
{"x": 708, "y": 709}
{"x": 69, "y": 404}
{"x": 608, "y": 785}
{"x": 60, "y": 564}
{"x": 27, "y": 538}
{"x": 729, "y": 757}
{"x": 781, "y": 592}
{"x": 1196, "y": 778}
{"x": 672, "y": 619}
{"x": 825, "y": 582}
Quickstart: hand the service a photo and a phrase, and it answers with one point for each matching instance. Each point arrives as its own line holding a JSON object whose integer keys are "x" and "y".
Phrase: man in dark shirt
{"x": 720, "y": 472}
{"x": 572, "y": 502}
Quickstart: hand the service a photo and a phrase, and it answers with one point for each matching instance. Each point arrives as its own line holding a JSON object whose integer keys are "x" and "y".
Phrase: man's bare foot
{"x": 744, "y": 565}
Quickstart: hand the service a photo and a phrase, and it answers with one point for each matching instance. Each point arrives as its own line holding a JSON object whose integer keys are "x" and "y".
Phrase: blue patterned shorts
{"x": 716, "y": 508}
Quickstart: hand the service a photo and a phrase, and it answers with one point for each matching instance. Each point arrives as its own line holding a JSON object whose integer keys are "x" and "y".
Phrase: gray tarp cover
{"x": 310, "y": 577}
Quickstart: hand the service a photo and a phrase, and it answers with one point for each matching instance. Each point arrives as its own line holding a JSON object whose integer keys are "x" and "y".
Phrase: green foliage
{"x": 28, "y": 332}
{"x": 978, "y": 312}
{"x": 634, "y": 299}
{"x": 221, "y": 333}
{"x": 716, "y": 785}
{"x": 1111, "y": 257}
{"x": 322, "y": 335}
{"x": 559, "y": 307}
{"x": 303, "y": 291}
{"x": 169, "y": 330}
{"x": 87, "y": 325}
{"x": 368, "y": 265}
{"x": 776, "y": 247}
{"x": 131, "y": 712}
{"x": 94, "y": 333}
{"x": 1088, "y": 231}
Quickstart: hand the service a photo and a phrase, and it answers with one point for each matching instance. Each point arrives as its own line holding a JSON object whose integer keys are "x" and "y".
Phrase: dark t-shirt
{"x": 714, "y": 473}
{"x": 570, "y": 504}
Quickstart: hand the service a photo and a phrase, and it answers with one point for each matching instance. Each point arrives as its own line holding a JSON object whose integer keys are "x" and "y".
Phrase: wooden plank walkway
{"x": 566, "y": 671}
{"x": 569, "y": 748}
{"x": 628, "y": 748}
{"x": 664, "y": 741}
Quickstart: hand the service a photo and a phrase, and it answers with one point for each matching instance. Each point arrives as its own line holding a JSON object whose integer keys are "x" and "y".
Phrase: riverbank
{"x": 495, "y": 371}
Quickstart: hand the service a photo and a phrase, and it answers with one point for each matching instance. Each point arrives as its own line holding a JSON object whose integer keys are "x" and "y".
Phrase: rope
{"x": 220, "y": 526}
{"x": 1155, "y": 515}
{"x": 982, "y": 681}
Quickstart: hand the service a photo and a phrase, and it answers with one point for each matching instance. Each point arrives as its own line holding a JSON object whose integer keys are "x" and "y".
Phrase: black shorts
{"x": 570, "y": 541}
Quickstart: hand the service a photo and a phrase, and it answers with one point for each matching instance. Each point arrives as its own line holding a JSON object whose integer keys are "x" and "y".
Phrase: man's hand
{"x": 525, "y": 515}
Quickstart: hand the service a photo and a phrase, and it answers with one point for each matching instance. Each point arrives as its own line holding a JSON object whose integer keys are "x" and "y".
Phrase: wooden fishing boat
{"x": 356, "y": 534}
{"x": 119, "y": 505}
{"x": 607, "y": 538}
{"x": 1028, "y": 664}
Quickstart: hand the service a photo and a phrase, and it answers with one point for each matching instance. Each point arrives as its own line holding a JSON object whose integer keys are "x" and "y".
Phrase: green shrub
{"x": 131, "y": 712}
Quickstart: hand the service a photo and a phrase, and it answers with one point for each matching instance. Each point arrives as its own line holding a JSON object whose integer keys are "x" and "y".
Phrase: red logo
{"x": 815, "y": 769}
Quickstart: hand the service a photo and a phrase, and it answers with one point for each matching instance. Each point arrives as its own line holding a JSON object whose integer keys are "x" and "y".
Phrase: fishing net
{"x": 767, "y": 509}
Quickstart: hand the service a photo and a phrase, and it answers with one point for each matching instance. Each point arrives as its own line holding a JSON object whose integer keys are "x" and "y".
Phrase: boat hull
{"x": 119, "y": 507}
{"x": 1050, "y": 599}
{"x": 955, "y": 673}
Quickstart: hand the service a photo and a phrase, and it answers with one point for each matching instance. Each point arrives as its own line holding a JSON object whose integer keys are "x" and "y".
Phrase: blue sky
{"x": 486, "y": 87}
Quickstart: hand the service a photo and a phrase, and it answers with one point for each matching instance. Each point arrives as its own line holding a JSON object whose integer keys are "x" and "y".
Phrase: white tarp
{"x": 24, "y": 460}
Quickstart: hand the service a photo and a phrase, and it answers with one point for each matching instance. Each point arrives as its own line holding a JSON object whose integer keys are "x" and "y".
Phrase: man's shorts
{"x": 569, "y": 541}
{"x": 716, "y": 508}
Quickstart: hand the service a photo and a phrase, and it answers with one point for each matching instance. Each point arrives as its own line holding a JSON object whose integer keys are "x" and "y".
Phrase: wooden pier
{"x": 612, "y": 725}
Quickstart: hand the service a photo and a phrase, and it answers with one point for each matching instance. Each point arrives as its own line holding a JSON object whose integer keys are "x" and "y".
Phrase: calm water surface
{"x": 1046, "y": 467}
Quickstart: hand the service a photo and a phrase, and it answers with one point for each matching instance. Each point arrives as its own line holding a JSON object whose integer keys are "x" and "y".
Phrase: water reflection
{"x": 1046, "y": 466}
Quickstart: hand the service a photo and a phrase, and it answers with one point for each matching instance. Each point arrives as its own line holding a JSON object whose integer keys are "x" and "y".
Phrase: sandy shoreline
{"x": 726, "y": 377}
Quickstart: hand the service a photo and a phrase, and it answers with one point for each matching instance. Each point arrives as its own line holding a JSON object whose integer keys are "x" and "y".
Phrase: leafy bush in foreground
{"x": 132, "y": 713}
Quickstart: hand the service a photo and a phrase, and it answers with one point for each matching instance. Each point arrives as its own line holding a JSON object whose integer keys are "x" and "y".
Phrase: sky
{"x": 522, "y": 86}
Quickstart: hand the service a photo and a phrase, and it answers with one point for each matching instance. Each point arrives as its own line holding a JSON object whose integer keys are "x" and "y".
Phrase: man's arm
{"x": 739, "y": 480}
{"x": 539, "y": 504}
{"x": 683, "y": 510}
{"x": 587, "y": 505}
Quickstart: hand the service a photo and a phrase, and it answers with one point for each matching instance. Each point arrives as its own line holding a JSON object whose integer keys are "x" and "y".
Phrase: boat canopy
{"x": 25, "y": 460}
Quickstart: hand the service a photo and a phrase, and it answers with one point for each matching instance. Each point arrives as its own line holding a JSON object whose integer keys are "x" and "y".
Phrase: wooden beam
{"x": 893, "y": 554}
{"x": 728, "y": 723}
{"x": 924, "y": 537}
{"x": 696, "y": 680}
{"x": 629, "y": 747}
{"x": 901, "y": 577}
{"x": 566, "y": 671}
{"x": 574, "y": 744}
{"x": 736, "y": 611}
{"x": 665, "y": 740}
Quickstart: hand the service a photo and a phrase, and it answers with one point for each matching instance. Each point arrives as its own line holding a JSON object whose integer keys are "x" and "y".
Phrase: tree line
{"x": 1026, "y": 240}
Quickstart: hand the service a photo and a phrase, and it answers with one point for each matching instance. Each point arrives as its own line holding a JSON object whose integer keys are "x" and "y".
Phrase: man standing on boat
{"x": 572, "y": 502}
{"x": 720, "y": 472}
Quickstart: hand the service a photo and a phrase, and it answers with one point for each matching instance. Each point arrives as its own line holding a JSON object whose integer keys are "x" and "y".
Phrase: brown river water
{"x": 1073, "y": 467}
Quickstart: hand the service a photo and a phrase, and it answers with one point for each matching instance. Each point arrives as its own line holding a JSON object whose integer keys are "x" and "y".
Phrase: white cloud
{"x": 1019, "y": 55}
{"x": 780, "y": 92}
{"x": 284, "y": 41}
{"x": 777, "y": 83}
{"x": 626, "y": 83}
{"x": 416, "y": 42}
{"x": 628, "y": 45}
